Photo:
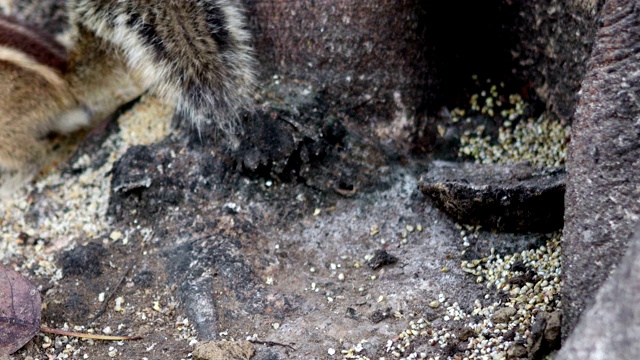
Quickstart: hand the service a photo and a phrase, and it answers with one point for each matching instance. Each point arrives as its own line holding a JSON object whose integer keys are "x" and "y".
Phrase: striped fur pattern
{"x": 35, "y": 99}
{"x": 33, "y": 42}
{"x": 194, "y": 53}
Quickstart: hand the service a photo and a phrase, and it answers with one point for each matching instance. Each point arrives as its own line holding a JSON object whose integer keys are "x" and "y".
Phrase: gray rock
{"x": 516, "y": 198}
{"x": 610, "y": 329}
{"x": 410, "y": 65}
{"x": 604, "y": 162}
{"x": 556, "y": 38}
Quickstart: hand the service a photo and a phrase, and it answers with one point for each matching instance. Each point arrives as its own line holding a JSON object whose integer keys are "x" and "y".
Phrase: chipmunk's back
{"x": 35, "y": 100}
{"x": 32, "y": 42}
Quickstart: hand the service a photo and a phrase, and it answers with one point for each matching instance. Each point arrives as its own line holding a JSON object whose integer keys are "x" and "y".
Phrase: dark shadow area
{"x": 472, "y": 38}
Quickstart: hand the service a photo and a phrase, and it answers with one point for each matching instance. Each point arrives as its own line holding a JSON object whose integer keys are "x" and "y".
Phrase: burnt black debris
{"x": 382, "y": 258}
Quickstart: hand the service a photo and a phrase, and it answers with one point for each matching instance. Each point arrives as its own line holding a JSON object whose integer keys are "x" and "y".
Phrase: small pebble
{"x": 503, "y": 315}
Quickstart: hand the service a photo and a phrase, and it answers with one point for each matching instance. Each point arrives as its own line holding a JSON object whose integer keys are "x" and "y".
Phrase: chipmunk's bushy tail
{"x": 196, "y": 53}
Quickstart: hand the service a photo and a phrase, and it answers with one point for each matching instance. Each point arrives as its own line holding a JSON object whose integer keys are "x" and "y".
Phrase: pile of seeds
{"x": 519, "y": 287}
{"x": 530, "y": 281}
{"x": 541, "y": 141}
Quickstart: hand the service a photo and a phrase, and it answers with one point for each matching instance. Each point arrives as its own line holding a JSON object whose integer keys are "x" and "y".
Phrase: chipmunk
{"x": 195, "y": 54}
{"x": 35, "y": 100}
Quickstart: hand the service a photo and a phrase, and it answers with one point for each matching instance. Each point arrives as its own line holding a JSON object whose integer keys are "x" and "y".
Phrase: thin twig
{"x": 105, "y": 303}
{"x": 103, "y": 308}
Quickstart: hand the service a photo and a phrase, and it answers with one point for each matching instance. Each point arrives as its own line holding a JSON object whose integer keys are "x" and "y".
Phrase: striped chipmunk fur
{"x": 34, "y": 100}
{"x": 195, "y": 54}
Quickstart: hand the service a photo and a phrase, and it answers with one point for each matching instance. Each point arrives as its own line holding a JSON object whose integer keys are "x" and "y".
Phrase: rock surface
{"x": 519, "y": 198}
{"x": 413, "y": 61}
{"x": 555, "y": 42}
{"x": 610, "y": 329}
{"x": 604, "y": 161}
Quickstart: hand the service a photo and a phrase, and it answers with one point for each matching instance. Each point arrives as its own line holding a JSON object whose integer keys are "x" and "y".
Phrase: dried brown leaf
{"x": 20, "y": 308}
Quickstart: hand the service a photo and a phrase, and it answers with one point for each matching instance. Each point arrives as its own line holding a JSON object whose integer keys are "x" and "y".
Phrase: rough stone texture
{"x": 382, "y": 258}
{"x": 604, "y": 161}
{"x": 555, "y": 43}
{"x": 610, "y": 329}
{"x": 390, "y": 65}
{"x": 508, "y": 198}
{"x": 517, "y": 351}
{"x": 370, "y": 58}
{"x": 288, "y": 134}
{"x": 503, "y": 315}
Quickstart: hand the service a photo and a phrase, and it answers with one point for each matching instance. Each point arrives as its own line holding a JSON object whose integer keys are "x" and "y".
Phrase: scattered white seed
{"x": 119, "y": 302}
